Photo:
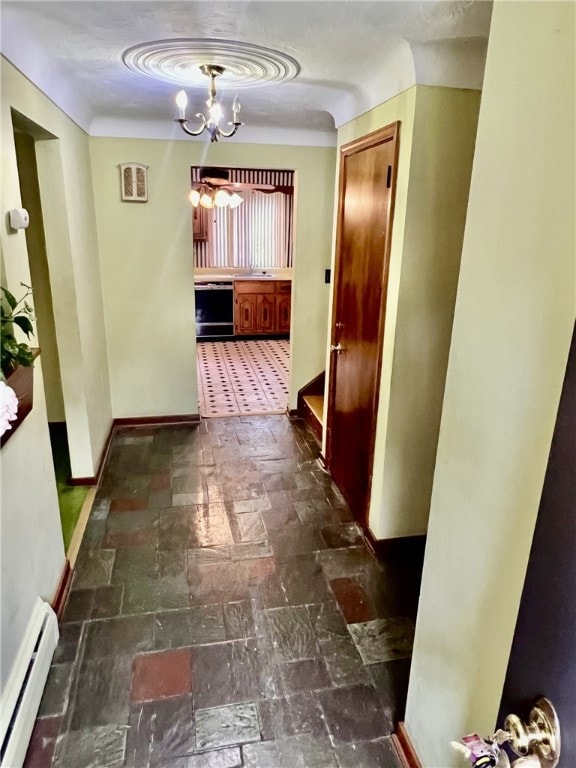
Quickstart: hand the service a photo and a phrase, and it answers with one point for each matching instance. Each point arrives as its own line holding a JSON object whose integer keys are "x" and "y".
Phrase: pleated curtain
{"x": 258, "y": 233}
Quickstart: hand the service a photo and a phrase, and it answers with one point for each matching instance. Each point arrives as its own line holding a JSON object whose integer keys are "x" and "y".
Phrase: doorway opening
{"x": 242, "y": 228}
{"x": 71, "y": 498}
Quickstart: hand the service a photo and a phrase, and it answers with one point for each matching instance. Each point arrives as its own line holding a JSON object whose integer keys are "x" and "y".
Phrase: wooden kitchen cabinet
{"x": 200, "y": 223}
{"x": 265, "y": 314}
{"x": 245, "y": 314}
{"x": 261, "y": 307}
{"x": 283, "y": 305}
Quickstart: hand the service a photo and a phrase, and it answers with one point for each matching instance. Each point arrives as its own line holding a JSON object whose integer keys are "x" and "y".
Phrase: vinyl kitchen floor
{"x": 243, "y": 377}
{"x": 225, "y": 612}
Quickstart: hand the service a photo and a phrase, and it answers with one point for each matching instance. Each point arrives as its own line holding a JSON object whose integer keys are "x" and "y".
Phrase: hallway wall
{"x": 514, "y": 316}
{"x": 64, "y": 174}
{"x": 147, "y": 265}
{"x": 32, "y": 551}
{"x": 437, "y": 135}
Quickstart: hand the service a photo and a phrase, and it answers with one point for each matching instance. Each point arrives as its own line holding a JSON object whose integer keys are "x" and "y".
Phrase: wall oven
{"x": 214, "y": 308}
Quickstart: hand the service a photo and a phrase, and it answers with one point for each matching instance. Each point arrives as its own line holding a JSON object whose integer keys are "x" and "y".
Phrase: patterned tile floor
{"x": 225, "y": 612}
{"x": 243, "y": 377}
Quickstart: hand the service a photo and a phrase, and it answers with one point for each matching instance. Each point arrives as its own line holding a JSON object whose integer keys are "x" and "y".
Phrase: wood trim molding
{"x": 404, "y": 747}
{"x": 95, "y": 480}
{"x": 78, "y": 535}
{"x": 21, "y": 380}
{"x": 61, "y": 596}
{"x": 158, "y": 421}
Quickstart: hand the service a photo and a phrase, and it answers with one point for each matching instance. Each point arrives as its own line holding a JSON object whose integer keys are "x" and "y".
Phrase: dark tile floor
{"x": 225, "y": 612}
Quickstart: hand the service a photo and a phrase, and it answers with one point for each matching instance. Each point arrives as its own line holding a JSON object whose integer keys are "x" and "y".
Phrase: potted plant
{"x": 15, "y": 387}
{"x": 15, "y": 312}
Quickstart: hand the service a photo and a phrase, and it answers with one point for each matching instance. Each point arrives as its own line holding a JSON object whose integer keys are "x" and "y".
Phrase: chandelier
{"x": 215, "y": 114}
{"x": 208, "y": 197}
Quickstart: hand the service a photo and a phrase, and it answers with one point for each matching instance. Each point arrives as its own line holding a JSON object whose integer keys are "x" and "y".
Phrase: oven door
{"x": 214, "y": 309}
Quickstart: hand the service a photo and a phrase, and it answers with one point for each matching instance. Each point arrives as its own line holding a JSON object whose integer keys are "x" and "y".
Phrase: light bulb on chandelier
{"x": 215, "y": 113}
{"x": 214, "y": 198}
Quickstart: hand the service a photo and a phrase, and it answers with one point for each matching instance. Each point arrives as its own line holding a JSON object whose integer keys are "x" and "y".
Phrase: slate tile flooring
{"x": 225, "y": 612}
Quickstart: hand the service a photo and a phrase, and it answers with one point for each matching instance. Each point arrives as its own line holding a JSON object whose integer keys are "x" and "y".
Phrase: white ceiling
{"x": 353, "y": 55}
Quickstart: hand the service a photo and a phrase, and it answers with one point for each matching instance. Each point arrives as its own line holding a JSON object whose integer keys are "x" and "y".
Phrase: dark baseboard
{"x": 158, "y": 421}
{"x": 61, "y": 596}
{"x": 403, "y": 547}
{"x": 294, "y": 413}
{"x": 404, "y": 747}
{"x": 103, "y": 456}
{"x": 83, "y": 481}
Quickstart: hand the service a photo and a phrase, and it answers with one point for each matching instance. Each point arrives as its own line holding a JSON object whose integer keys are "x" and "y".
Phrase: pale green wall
{"x": 32, "y": 550}
{"x": 514, "y": 317}
{"x": 437, "y": 132}
{"x": 31, "y": 547}
{"x": 147, "y": 269}
{"x": 45, "y": 327}
{"x": 72, "y": 250}
{"x": 435, "y": 212}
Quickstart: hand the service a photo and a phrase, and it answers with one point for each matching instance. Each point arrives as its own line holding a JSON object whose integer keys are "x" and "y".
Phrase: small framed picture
{"x": 134, "y": 182}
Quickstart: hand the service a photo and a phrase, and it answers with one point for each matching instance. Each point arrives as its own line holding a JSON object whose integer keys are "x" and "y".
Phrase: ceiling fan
{"x": 219, "y": 178}
{"x": 215, "y": 190}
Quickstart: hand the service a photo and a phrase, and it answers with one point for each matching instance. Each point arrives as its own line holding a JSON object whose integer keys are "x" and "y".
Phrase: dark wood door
{"x": 365, "y": 208}
{"x": 543, "y": 657}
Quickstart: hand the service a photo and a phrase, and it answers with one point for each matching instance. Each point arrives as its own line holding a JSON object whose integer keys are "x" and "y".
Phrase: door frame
{"x": 390, "y": 132}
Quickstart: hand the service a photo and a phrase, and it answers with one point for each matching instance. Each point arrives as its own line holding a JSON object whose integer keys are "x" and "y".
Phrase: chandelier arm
{"x": 184, "y": 125}
{"x": 212, "y": 124}
{"x": 227, "y": 135}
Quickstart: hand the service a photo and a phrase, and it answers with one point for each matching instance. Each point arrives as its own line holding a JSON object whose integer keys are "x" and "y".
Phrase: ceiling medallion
{"x": 178, "y": 61}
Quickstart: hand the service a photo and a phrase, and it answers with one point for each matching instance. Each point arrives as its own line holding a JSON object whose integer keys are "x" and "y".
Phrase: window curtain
{"x": 254, "y": 235}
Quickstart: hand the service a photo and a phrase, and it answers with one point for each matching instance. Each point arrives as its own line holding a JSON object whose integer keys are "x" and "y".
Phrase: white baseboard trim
{"x": 20, "y": 699}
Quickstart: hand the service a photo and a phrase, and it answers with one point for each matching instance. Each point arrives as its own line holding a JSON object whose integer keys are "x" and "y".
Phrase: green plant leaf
{"x": 9, "y": 298}
{"x": 24, "y": 323}
{"x": 25, "y": 355}
{"x": 9, "y": 344}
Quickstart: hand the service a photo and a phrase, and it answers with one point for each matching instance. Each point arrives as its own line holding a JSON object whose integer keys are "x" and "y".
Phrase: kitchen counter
{"x": 212, "y": 276}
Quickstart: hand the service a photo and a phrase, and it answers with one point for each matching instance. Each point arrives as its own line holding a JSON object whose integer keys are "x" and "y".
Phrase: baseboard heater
{"x": 21, "y": 697}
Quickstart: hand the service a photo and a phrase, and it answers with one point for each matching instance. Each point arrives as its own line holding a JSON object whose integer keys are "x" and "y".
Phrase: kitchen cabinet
{"x": 283, "y": 305}
{"x": 200, "y": 223}
{"x": 262, "y": 307}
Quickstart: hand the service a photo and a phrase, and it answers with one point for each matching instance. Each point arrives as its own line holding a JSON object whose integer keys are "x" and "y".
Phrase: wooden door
{"x": 365, "y": 209}
{"x": 543, "y": 657}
